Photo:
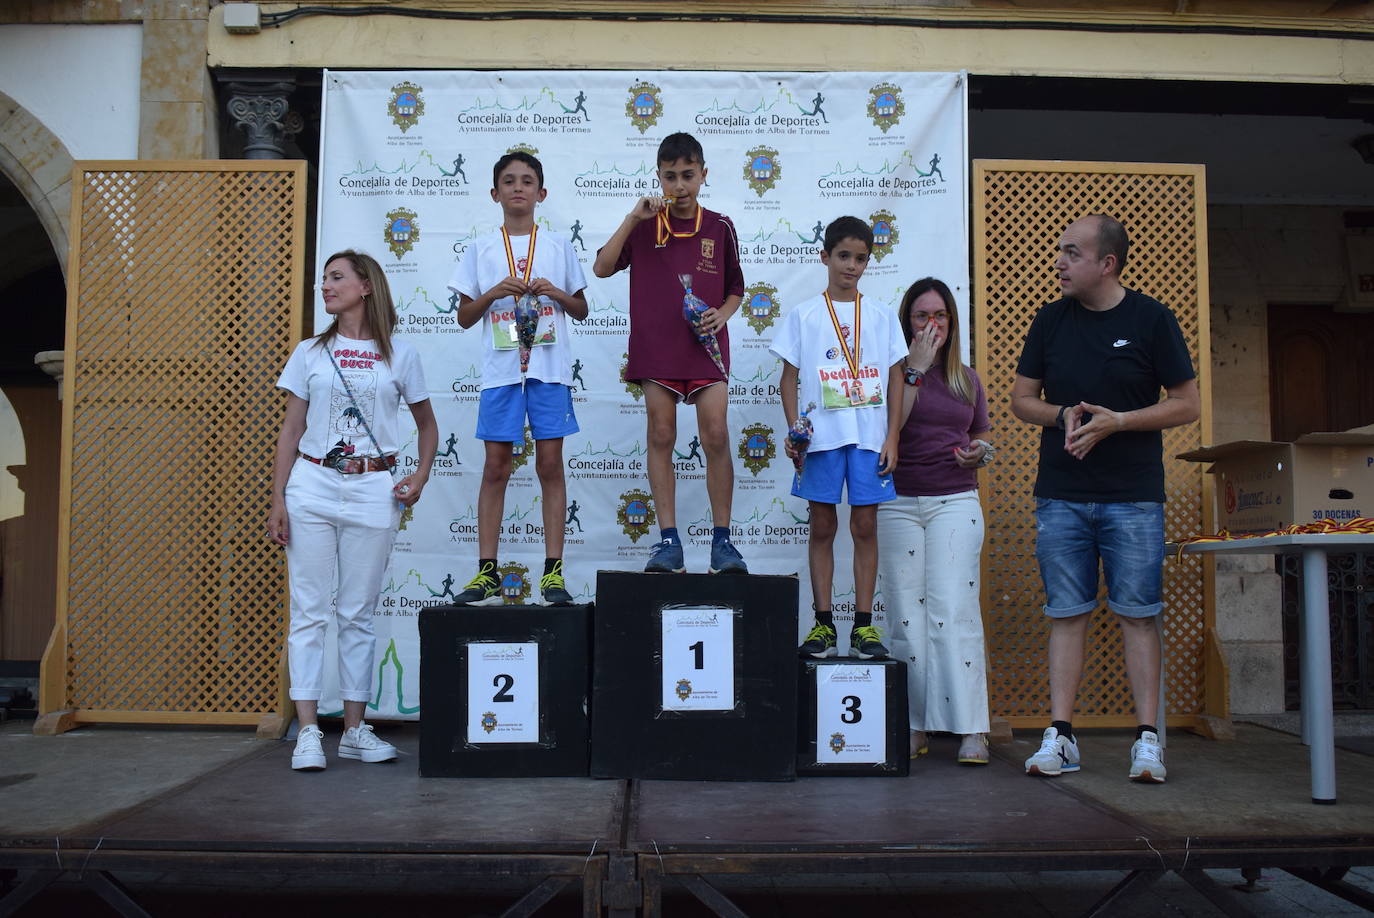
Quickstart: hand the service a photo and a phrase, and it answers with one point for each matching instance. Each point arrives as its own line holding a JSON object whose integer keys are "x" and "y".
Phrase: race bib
{"x": 504, "y": 336}
{"x": 839, "y": 388}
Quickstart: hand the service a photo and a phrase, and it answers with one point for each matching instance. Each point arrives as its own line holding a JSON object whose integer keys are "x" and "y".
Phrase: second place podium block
{"x": 695, "y": 677}
{"x": 504, "y": 691}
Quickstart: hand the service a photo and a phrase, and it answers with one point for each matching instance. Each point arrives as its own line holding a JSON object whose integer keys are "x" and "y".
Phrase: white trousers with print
{"x": 928, "y": 551}
{"x": 341, "y": 530}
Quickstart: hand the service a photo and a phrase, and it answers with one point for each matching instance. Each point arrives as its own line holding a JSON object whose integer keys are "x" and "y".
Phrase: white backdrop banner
{"x": 404, "y": 175}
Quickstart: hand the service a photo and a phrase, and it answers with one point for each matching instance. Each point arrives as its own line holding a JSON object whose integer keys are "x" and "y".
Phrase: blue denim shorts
{"x": 824, "y": 476}
{"x": 1128, "y": 538}
{"x": 502, "y": 411}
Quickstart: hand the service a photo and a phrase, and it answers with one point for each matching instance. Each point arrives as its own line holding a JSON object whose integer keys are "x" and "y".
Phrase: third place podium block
{"x": 852, "y": 718}
{"x": 695, "y": 677}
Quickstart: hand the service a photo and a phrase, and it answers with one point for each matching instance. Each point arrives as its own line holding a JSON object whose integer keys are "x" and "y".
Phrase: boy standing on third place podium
{"x": 847, "y": 359}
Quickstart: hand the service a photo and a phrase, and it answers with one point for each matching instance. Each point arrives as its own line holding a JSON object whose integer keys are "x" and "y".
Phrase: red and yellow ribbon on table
{"x": 1360, "y": 525}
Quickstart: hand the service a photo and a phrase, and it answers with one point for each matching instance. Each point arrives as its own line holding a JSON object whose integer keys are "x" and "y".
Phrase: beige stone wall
{"x": 177, "y": 115}
{"x": 41, "y": 168}
{"x": 980, "y": 43}
{"x": 177, "y": 111}
{"x": 1259, "y": 255}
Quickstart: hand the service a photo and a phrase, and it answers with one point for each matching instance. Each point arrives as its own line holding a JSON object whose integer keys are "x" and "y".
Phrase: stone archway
{"x": 37, "y": 162}
{"x": 36, "y": 167}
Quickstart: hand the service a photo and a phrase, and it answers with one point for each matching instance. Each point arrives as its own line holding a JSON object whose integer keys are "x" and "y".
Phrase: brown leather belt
{"x": 347, "y": 466}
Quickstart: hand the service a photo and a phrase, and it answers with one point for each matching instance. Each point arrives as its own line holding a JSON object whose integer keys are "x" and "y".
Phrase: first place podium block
{"x": 503, "y": 691}
{"x": 695, "y": 677}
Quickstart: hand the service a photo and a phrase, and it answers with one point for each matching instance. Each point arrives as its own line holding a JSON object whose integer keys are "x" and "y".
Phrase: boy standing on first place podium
{"x": 496, "y": 271}
{"x": 663, "y": 239}
{"x": 847, "y": 359}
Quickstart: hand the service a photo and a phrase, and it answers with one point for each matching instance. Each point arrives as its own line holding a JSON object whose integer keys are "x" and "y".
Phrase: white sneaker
{"x": 1058, "y": 754}
{"x": 361, "y": 743}
{"x": 1147, "y": 759}
{"x": 974, "y": 749}
{"x": 308, "y": 754}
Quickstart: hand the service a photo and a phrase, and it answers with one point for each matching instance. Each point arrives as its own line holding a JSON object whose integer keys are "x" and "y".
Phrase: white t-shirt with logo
{"x": 844, "y": 414}
{"x": 483, "y": 266}
{"x": 332, "y": 422}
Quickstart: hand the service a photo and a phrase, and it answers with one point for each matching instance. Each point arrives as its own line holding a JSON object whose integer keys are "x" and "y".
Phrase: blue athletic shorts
{"x": 824, "y": 475}
{"x": 1127, "y": 538}
{"x": 502, "y": 411}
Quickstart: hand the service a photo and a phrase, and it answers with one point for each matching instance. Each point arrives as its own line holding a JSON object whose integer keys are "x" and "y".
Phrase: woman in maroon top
{"x": 931, "y": 536}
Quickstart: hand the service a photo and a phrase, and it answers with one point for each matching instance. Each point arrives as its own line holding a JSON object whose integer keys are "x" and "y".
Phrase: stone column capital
{"x": 261, "y": 108}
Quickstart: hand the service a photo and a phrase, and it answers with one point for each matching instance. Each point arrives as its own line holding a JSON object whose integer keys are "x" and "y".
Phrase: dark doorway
{"x": 1321, "y": 377}
{"x": 33, "y": 299}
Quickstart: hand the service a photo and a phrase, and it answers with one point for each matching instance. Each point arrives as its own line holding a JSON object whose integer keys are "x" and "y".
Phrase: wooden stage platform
{"x": 1232, "y": 804}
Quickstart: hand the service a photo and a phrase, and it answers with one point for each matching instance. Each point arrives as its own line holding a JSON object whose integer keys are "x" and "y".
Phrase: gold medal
{"x": 529, "y": 256}
{"x": 851, "y": 357}
{"x": 663, "y": 231}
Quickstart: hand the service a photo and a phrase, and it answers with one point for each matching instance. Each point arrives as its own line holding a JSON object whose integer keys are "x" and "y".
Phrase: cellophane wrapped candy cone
{"x": 799, "y": 435}
{"x": 526, "y": 325}
{"x": 693, "y": 308}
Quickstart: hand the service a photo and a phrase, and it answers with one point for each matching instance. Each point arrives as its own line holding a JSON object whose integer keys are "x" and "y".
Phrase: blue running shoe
{"x": 666, "y": 558}
{"x": 725, "y": 559}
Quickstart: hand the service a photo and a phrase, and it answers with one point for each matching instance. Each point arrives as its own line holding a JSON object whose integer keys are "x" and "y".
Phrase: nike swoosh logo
{"x": 1120, "y": 342}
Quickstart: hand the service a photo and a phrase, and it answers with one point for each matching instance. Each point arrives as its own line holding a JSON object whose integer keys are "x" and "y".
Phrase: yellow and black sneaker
{"x": 819, "y": 643}
{"x": 553, "y": 588}
{"x": 482, "y": 590}
{"x": 866, "y": 643}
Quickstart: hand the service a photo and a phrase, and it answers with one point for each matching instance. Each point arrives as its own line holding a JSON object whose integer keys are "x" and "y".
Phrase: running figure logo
{"x": 817, "y": 110}
{"x": 451, "y": 449}
{"x": 694, "y": 454}
{"x": 457, "y": 169}
{"x": 580, "y": 107}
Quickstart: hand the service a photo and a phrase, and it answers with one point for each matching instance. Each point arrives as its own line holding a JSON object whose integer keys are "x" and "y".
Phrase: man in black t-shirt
{"x": 1090, "y": 376}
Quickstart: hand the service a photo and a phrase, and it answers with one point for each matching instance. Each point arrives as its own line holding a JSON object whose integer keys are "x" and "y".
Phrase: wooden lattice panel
{"x": 184, "y": 302}
{"x": 1020, "y": 210}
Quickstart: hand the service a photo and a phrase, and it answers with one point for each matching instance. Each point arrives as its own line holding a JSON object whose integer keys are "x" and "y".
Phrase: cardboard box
{"x": 1264, "y": 485}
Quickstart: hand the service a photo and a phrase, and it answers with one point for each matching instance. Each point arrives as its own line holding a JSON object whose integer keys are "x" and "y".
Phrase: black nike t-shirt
{"x": 1120, "y": 358}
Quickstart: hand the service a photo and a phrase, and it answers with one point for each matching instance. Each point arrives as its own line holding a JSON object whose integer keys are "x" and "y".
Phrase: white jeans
{"x": 928, "y": 551}
{"x": 341, "y": 530}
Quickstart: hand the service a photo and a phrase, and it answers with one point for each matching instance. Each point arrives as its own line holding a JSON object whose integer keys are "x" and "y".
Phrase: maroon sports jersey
{"x": 662, "y": 344}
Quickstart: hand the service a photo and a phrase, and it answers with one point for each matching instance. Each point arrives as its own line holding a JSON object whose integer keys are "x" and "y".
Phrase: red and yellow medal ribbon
{"x": 529, "y": 256}
{"x": 1361, "y": 525}
{"x": 663, "y": 231}
{"x": 851, "y": 356}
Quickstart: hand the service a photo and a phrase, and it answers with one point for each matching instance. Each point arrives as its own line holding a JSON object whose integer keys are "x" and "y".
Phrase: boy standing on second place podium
{"x": 847, "y": 359}
{"x": 497, "y": 269}
{"x": 662, "y": 239}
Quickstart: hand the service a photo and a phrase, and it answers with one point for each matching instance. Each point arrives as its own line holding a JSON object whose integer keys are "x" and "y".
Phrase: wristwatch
{"x": 912, "y": 376}
{"x": 1059, "y": 418}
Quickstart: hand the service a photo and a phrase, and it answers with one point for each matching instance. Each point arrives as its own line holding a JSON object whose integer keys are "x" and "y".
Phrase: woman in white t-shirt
{"x": 334, "y": 505}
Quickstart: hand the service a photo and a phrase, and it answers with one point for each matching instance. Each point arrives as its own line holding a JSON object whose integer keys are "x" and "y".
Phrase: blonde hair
{"x": 956, "y": 374}
{"x": 378, "y": 308}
